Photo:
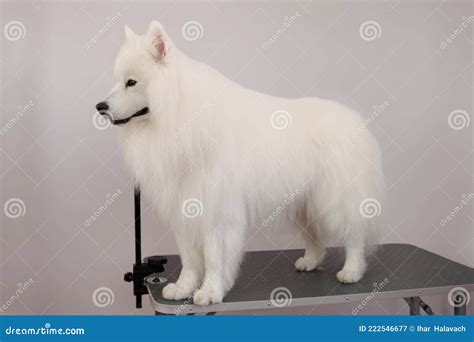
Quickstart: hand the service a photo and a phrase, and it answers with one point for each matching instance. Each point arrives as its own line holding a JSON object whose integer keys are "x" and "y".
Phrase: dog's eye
{"x": 130, "y": 83}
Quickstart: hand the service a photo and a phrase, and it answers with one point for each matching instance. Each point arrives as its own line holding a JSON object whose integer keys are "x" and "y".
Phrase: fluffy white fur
{"x": 213, "y": 140}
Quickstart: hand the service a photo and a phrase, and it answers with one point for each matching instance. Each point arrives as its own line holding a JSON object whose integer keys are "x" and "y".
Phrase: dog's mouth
{"x": 141, "y": 112}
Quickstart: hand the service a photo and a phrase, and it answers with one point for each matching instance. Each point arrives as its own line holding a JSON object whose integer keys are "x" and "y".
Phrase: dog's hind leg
{"x": 355, "y": 237}
{"x": 314, "y": 252}
{"x": 354, "y": 266}
{"x": 192, "y": 272}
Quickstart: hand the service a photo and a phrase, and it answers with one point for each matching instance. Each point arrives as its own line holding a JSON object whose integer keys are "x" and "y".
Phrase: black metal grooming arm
{"x": 149, "y": 265}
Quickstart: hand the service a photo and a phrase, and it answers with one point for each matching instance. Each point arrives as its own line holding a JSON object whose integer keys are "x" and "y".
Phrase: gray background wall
{"x": 63, "y": 169}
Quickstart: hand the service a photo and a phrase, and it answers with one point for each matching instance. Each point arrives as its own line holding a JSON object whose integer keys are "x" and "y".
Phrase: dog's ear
{"x": 129, "y": 34}
{"x": 159, "y": 42}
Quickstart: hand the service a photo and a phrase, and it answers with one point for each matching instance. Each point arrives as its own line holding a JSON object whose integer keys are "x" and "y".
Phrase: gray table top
{"x": 395, "y": 270}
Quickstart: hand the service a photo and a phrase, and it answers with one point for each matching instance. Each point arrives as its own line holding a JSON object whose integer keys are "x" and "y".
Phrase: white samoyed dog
{"x": 217, "y": 159}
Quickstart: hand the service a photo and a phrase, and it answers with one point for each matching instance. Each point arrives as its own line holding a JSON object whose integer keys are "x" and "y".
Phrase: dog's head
{"x": 139, "y": 60}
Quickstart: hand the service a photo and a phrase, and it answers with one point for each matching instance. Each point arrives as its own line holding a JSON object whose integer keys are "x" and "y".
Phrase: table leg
{"x": 414, "y": 305}
{"x": 460, "y": 310}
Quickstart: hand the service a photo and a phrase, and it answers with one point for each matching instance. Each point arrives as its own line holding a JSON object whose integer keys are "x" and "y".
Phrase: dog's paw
{"x": 347, "y": 275}
{"x": 173, "y": 291}
{"x": 305, "y": 264}
{"x": 206, "y": 296}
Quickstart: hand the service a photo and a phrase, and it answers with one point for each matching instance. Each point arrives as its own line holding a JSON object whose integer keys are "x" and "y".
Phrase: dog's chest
{"x": 152, "y": 162}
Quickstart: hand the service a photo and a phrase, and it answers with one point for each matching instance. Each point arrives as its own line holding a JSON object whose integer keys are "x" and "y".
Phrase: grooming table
{"x": 394, "y": 271}
{"x": 268, "y": 279}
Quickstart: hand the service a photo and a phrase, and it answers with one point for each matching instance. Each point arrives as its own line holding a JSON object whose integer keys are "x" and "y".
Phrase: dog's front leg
{"x": 212, "y": 289}
{"x": 192, "y": 272}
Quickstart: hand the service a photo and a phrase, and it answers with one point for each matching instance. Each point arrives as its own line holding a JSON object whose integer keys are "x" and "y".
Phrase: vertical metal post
{"x": 138, "y": 228}
{"x": 149, "y": 265}
{"x": 138, "y": 237}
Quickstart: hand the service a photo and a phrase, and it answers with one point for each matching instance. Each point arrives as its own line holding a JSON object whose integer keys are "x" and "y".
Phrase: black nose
{"x": 102, "y": 106}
